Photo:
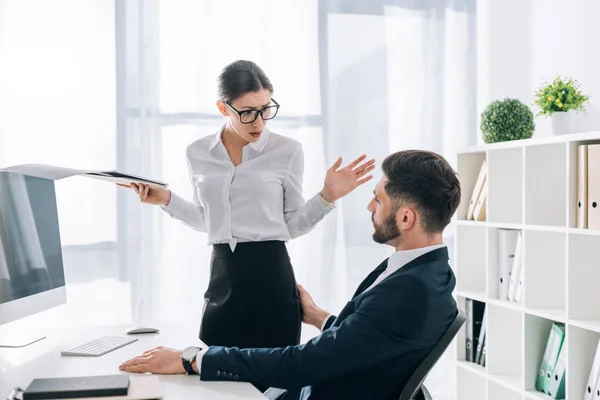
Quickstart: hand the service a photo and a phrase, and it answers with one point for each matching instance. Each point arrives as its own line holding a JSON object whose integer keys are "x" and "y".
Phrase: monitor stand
{"x": 20, "y": 339}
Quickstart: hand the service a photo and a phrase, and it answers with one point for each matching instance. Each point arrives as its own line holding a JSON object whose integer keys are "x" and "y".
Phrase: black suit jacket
{"x": 367, "y": 352}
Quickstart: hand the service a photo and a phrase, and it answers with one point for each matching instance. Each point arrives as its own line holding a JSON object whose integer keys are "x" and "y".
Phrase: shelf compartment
{"x": 500, "y": 392}
{"x": 470, "y": 385}
{"x": 582, "y": 345}
{"x": 470, "y": 258}
{"x": 584, "y": 275}
{"x": 493, "y": 269}
{"x": 505, "y": 186}
{"x": 546, "y": 199}
{"x": 504, "y": 343}
{"x": 545, "y": 271}
{"x": 468, "y": 169}
{"x": 536, "y": 333}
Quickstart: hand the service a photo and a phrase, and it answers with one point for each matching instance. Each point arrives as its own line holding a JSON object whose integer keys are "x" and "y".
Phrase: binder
{"x": 556, "y": 382}
{"x": 481, "y": 339}
{"x": 593, "y": 377}
{"x": 553, "y": 345}
{"x": 479, "y": 213}
{"x": 507, "y": 243}
{"x": 519, "y": 290}
{"x": 481, "y": 178}
{"x": 516, "y": 269}
{"x": 474, "y": 314}
{"x": 582, "y": 186}
{"x": 593, "y": 174}
{"x": 469, "y": 330}
{"x": 483, "y": 351}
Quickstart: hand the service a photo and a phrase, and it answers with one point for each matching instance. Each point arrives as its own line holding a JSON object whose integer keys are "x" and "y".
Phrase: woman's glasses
{"x": 249, "y": 116}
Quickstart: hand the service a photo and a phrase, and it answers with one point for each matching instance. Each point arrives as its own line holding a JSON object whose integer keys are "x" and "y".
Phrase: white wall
{"x": 522, "y": 43}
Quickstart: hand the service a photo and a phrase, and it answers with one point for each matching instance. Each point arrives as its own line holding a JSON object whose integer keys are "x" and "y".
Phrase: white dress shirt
{"x": 396, "y": 261}
{"x": 260, "y": 199}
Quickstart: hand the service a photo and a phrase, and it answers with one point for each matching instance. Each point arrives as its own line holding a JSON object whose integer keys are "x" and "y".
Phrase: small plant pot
{"x": 563, "y": 123}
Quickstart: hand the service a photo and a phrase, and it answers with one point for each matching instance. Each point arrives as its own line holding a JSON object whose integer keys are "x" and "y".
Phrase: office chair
{"x": 414, "y": 389}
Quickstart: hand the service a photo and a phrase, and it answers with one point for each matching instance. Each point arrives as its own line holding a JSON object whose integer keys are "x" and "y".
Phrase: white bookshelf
{"x": 532, "y": 187}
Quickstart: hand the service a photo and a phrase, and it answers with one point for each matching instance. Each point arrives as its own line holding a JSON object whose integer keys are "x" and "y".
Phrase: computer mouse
{"x": 141, "y": 329}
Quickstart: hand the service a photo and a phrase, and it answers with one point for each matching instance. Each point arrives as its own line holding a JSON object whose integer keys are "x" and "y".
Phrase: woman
{"x": 248, "y": 198}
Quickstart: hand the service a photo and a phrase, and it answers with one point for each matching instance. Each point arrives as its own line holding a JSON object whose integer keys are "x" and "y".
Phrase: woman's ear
{"x": 222, "y": 108}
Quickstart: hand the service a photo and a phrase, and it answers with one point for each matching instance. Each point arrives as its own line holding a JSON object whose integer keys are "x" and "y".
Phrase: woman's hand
{"x": 340, "y": 182}
{"x": 156, "y": 196}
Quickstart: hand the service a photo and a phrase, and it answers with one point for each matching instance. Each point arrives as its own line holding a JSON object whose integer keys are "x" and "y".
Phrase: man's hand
{"x": 160, "y": 360}
{"x": 311, "y": 314}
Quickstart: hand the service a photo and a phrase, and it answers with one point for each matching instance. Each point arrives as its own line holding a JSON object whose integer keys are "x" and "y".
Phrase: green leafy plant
{"x": 507, "y": 119}
{"x": 558, "y": 96}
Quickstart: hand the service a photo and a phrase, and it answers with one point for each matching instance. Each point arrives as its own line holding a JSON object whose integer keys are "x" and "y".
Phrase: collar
{"x": 258, "y": 146}
{"x": 400, "y": 258}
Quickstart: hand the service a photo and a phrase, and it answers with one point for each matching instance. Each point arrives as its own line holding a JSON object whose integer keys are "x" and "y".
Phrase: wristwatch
{"x": 188, "y": 356}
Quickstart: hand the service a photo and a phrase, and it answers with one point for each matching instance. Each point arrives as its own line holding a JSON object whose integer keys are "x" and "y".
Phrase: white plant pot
{"x": 563, "y": 123}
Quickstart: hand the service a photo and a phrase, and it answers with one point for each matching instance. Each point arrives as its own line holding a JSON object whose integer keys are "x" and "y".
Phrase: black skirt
{"x": 252, "y": 299}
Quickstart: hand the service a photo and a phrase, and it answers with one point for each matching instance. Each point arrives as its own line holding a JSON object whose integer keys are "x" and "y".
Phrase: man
{"x": 396, "y": 316}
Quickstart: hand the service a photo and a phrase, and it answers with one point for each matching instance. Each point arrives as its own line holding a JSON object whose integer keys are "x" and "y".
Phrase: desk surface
{"x": 18, "y": 367}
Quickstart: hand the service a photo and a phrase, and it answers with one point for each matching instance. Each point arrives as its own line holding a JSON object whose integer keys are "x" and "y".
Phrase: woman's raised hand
{"x": 340, "y": 182}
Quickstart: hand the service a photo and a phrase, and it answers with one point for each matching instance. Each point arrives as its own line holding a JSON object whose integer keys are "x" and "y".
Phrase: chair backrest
{"x": 416, "y": 380}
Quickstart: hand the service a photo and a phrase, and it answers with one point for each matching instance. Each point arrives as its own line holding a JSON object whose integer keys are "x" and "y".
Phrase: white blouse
{"x": 260, "y": 199}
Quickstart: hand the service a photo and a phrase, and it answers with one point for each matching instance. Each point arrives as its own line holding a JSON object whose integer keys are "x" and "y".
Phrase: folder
{"x": 479, "y": 213}
{"x": 582, "y": 186}
{"x": 481, "y": 339}
{"x": 483, "y": 351}
{"x": 550, "y": 358}
{"x": 481, "y": 178}
{"x": 474, "y": 314}
{"x": 507, "y": 243}
{"x": 556, "y": 382}
{"x": 593, "y": 174}
{"x": 519, "y": 290}
{"x": 56, "y": 173}
{"x": 469, "y": 355}
{"x": 593, "y": 377}
{"x": 516, "y": 269}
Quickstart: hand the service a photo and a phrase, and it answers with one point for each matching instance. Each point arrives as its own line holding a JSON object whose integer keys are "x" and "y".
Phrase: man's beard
{"x": 387, "y": 231}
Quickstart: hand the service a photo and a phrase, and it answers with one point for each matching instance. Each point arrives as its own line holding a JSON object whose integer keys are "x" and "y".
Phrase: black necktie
{"x": 371, "y": 278}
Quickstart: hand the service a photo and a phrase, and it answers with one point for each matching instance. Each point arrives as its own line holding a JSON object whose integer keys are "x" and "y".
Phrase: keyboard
{"x": 100, "y": 346}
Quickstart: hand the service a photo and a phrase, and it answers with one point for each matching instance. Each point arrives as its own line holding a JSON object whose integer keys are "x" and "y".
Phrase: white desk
{"x": 42, "y": 359}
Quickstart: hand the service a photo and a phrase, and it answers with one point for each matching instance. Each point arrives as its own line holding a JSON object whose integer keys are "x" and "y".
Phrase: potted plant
{"x": 560, "y": 100}
{"x": 507, "y": 119}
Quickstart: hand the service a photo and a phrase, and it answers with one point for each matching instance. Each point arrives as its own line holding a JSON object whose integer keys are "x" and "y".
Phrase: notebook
{"x": 141, "y": 387}
{"x": 74, "y": 387}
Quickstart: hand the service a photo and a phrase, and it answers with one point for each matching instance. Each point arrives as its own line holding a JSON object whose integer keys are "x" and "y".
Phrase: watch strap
{"x": 187, "y": 364}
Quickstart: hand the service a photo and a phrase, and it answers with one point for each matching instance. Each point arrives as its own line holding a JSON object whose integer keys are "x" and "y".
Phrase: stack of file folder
{"x": 588, "y": 186}
{"x": 475, "y": 332}
{"x": 551, "y": 376}
{"x": 510, "y": 265}
{"x": 477, "y": 205}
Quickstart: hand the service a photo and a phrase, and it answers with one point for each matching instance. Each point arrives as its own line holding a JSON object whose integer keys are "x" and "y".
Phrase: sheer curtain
{"x": 57, "y": 106}
{"x": 353, "y": 77}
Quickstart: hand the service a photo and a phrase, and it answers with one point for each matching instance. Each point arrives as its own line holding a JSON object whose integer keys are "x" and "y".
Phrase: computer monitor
{"x": 32, "y": 277}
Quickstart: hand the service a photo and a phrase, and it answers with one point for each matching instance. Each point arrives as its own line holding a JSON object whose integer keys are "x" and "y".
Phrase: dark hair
{"x": 426, "y": 180}
{"x": 241, "y": 77}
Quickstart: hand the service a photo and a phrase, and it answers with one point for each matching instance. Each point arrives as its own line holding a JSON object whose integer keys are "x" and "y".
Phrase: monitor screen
{"x": 30, "y": 248}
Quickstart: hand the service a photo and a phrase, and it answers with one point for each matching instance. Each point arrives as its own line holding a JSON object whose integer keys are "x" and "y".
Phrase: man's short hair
{"x": 426, "y": 181}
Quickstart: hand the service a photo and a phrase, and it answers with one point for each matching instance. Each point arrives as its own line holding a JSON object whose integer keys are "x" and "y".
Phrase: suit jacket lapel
{"x": 371, "y": 278}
